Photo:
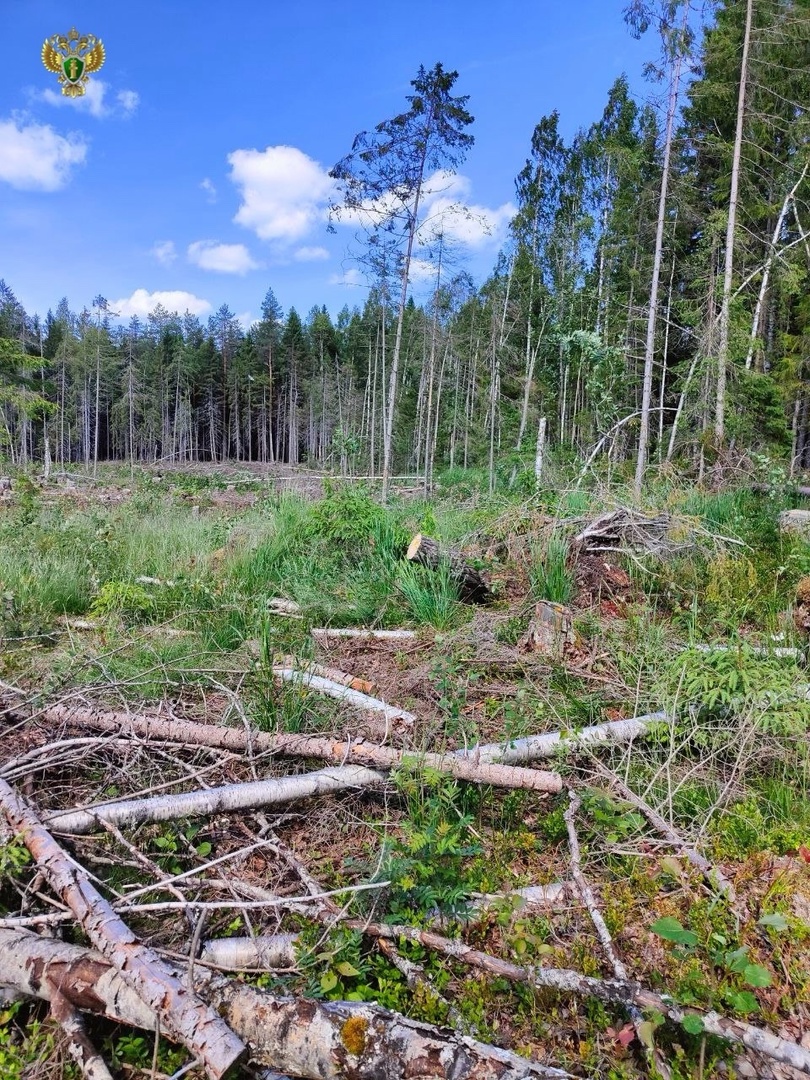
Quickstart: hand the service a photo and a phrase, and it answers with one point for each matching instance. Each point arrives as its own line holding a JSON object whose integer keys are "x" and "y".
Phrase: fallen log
{"x": 311, "y": 1039}
{"x": 316, "y": 746}
{"x": 80, "y": 1048}
{"x": 472, "y": 589}
{"x": 268, "y": 952}
{"x": 365, "y": 686}
{"x": 228, "y": 797}
{"x": 534, "y": 747}
{"x": 624, "y": 992}
{"x": 180, "y": 1012}
{"x": 344, "y": 693}
{"x": 325, "y": 636}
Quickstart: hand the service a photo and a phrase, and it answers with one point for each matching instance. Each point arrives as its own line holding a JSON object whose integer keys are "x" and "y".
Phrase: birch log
{"x": 326, "y": 636}
{"x": 343, "y": 693}
{"x": 316, "y": 746}
{"x": 180, "y": 1011}
{"x": 319, "y": 1040}
{"x": 534, "y": 747}
{"x": 215, "y": 800}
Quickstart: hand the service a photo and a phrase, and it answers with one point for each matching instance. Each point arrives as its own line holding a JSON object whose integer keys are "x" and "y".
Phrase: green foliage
{"x": 737, "y": 681}
{"x": 731, "y": 961}
{"x": 426, "y": 864}
{"x": 431, "y": 595}
{"x": 346, "y": 515}
{"x": 25, "y": 1050}
{"x": 550, "y": 576}
{"x": 123, "y": 600}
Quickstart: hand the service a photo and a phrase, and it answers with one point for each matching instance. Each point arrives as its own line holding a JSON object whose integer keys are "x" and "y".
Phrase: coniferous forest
{"x": 421, "y": 691}
{"x": 652, "y": 297}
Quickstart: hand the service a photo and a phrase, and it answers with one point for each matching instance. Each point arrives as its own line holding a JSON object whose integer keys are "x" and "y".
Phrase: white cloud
{"x": 209, "y": 189}
{"x": 310, "y": 254}
{"x": 226, "y": 258}
{"x": 94, "y": 100}
{"x": 246, "y": 319}
{"x": 164, "y": 251}
{"x": 35, "y": 157}
{"x": 350, "y": 276}
{"x": 129, "y": 100}
{"x": 445, "y": 208}
{"x": 284, "y": 192}
{"x": 142, "y": 302}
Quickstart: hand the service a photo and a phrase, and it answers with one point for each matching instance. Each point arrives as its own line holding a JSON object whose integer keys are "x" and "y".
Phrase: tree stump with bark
{"x": 472, "y": 589}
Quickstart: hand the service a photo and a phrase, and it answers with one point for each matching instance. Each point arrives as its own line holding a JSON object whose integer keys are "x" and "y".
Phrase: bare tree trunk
{"x": 649, "y": 348}
{"x": 766, "y": 272}
{"x": 725, "y": 308}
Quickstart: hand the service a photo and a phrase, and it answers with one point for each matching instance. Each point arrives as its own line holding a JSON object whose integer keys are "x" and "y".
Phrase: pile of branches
{"x": 128, "y": 972}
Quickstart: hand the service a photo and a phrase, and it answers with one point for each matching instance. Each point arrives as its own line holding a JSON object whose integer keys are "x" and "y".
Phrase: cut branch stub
{"x": 472, "y": 589}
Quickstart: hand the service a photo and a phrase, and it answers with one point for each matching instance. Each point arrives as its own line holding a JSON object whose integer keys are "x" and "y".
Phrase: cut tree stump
{"x": 550, "y": 630}
{"x": 472, "y": 589}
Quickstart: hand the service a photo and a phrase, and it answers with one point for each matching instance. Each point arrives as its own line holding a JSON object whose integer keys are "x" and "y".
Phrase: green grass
{"x": 551, "y": 578}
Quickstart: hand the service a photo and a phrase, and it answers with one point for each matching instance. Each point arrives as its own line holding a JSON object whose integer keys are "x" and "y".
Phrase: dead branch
{"x": 269, "y": 952}
{"x": 715, "y": 878}
{"x": 180, "y": 1012}
{"x": 626, "y": 529}
{"x": 311, "y": 1039}
{"x": 342, "y": 677}
{"x": 464, "y": 766}
{"x": 534, "y": 747}
{"x": 80, "y": 1048}
{"x": 344, "y": 694}
{"x": 228, "y": 797}
{"x": 604, "y": 935}
{"x": 611, "y": 991}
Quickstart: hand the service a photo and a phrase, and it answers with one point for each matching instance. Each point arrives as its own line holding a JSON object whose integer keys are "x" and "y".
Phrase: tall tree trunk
{"x": 725, "y": 308}
{"x": 649, "y": 348}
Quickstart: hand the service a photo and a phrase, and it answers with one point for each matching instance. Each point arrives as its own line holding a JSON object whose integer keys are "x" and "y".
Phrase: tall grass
{"x": 550, "y": 576}
{"x": 430, "y": 595}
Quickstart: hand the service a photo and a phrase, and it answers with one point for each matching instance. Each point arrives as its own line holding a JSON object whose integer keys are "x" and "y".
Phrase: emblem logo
{"x": 73, "y": 59}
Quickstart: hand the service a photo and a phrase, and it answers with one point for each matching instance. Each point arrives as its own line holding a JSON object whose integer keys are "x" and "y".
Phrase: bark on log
{"x": 268, "y": 952}
{"x": 550, "y": 630}
{"x": 345, "y": 694}
{"x": 316, "y": 746}
{"x": 181, "y": 1012}
{"x": 229, "y": 797}
{"x": 472, "y": 589}
{"x": 318, "y": 1040}
{"x": 92, "y": 1064}
{"x": 611, "y": 991}
{"x": 326, "y": 636}
{"x": 534, "y": 747}
{"x": 365, "y": 686}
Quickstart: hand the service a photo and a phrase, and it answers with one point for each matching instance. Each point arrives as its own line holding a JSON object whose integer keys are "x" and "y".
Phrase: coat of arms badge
{"x": 73, "y": 58}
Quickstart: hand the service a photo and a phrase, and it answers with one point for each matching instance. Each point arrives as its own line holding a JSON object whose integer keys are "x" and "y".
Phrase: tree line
{"x": 651, "y": 302}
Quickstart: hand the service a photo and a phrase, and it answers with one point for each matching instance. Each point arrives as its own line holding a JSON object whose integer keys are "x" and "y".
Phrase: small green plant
{"x": 732, "y": 963}
{"x": 427, "y": 863}
{"x": 347, "y": 514}
{"x": 123, "y": 600}
{"x": 729, "y": 682}
{"x": 431, "y": 595}
{"x": 550, "y": 576}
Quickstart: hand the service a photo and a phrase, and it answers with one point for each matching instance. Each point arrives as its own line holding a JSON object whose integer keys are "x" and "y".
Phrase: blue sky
{"x": 194, "y": 171}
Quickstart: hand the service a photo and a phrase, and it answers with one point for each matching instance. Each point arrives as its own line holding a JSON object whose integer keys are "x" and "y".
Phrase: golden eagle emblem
{"x": 73, "y": 58}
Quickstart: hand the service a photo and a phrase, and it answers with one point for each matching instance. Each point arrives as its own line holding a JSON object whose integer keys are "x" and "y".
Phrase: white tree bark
{"x": 346, "y": 694}
{"x": 216, "y": 800}
{"x": 725, "y": 307}
{"x": 181, "y": 1012}
{"x": 357, "y": 753}
{"x": 311, "y": 1039}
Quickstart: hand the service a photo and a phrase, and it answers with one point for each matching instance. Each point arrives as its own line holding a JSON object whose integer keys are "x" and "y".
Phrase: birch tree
{"x": 382, "y": 184}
